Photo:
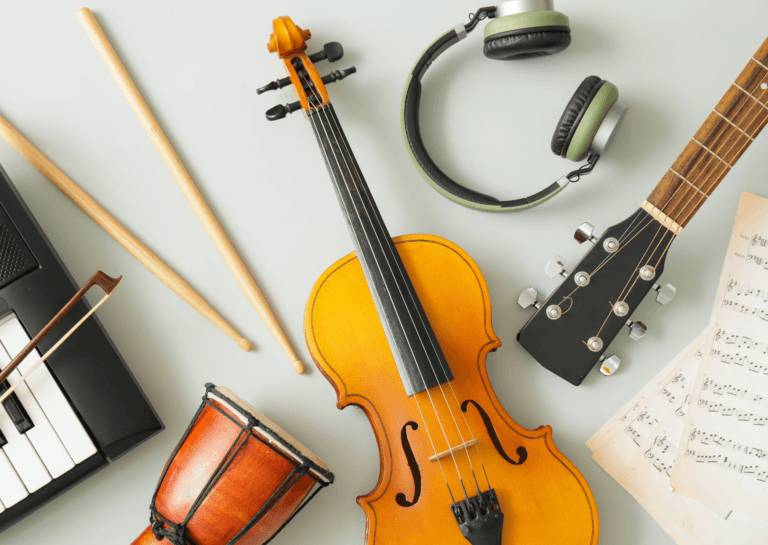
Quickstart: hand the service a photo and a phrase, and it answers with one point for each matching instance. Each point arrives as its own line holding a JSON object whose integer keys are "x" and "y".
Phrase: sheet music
{"x": 644, "y": 469}
{"x": 723, "y": 457}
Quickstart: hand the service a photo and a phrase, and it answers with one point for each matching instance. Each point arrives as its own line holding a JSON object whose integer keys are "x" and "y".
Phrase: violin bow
{"x": 100, "y": 279}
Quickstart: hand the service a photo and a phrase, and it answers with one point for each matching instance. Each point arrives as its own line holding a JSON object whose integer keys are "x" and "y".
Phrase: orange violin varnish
{"x": 544, "y": 498}
{"x": 287, "y": 40}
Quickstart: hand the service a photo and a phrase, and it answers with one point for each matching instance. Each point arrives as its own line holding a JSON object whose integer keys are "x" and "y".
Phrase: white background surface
{"x": 488, "y": 123}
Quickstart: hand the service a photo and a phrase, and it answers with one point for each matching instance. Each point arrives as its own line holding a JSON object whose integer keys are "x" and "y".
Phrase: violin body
{"x": 545, "y": 500}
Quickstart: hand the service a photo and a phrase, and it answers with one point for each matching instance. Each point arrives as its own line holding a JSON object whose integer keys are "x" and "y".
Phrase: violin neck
{"x": 418, "y": 356}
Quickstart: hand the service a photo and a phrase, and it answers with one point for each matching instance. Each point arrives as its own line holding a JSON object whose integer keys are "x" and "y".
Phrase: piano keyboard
{"x": 56, "y": 440}
{"x": 82, "y": 409}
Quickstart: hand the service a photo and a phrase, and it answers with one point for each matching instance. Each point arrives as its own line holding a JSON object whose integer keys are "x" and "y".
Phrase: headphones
{"x": 520, "y": 29}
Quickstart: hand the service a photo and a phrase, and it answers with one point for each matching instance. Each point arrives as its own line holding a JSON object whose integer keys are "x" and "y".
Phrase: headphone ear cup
{"x": 582, "y": 118}
{"x": 523, "y": 46}
{"x": 526, "y": 34}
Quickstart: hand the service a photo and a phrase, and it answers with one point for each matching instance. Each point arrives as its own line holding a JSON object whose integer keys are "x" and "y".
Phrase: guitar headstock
{"x": 573, "y": 327}
{"x": 289, "y": 42}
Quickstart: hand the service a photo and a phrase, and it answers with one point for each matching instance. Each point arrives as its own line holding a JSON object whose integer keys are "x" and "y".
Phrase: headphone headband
{"x": 515, "y": 26}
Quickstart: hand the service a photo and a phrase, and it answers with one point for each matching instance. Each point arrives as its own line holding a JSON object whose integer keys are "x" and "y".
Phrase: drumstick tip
{"x": 298, "y": 366}
{"x": 83, "y": 12}
{"x": 245, "y": 344}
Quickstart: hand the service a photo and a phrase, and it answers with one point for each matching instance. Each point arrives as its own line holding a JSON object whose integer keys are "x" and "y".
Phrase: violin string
{"x": 695, "y": 191}
{"x": 387, "y": 248}
{"x": 426, "y": 426}
{"x": 390, "y": 249}
{"x": 319, "y": 111}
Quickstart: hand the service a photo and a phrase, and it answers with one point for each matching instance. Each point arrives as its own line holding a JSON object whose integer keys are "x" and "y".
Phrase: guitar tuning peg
{"x": 331, "y": 51}
{"x": 527, "y": 299}
{"x": 609, "y": 364}
{"x": 585, "y": 233}
{"x": 281, "y": 110}
{"x": 665, "y": 293}
{"x": 637, "y": 330}
{"x": 556, "y": 266}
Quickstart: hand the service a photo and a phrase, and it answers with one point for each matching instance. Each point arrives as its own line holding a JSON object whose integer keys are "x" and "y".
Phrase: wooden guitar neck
{"x": 713, "y": 151}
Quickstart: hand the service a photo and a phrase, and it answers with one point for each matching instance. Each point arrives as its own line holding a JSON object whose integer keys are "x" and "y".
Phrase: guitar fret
{"x": 689, "y": 182}
{"x": 734, "y": 125}
{"x": 712, "y": 152}
{"x": 726, "y": 134}
{"x": 750, "y": 95}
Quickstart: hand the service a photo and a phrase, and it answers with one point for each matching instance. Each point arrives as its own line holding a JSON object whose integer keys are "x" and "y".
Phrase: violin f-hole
{"x": 415, "y": 473}
{"x": 522, "y": 452}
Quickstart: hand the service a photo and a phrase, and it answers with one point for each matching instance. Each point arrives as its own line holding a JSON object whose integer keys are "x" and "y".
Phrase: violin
{"x": 401, "y": 328}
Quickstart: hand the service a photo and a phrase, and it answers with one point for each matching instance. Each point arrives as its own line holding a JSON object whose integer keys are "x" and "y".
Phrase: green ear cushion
{"x": 590, "y": 122}
{"x": 520, "y": 21}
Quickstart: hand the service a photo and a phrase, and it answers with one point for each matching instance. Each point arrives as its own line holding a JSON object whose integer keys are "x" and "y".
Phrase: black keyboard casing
{"x": 35, "y": 284}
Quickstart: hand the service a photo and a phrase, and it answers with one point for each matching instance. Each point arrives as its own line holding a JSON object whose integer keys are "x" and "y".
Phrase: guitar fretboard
{"x": 713, "y": 151}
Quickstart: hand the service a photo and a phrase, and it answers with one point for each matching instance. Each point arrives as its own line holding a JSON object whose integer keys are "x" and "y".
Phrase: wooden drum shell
{"x": 255, "y": 472}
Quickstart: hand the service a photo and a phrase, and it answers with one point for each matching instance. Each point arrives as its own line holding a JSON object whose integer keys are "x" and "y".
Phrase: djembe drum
{"x": 235, "y": 477}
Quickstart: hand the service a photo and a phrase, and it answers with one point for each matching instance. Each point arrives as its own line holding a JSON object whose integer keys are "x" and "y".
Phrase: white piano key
{"x": 43, "y": 437}
{"x": 48, "y": 394}
{"x": 12, "y": 490}
{"x": 23, "y": 456}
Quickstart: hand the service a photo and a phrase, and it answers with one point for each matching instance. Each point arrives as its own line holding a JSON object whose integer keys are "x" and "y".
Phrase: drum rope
{"x": 176, "y": 533}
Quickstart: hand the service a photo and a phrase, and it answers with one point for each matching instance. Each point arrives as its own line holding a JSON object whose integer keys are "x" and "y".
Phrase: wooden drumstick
{"x": 116, "y": 231}
{"x": 185, "y": 183}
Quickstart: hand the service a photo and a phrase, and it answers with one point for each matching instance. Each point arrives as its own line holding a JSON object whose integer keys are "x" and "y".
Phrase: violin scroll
{"x": 289, "y": 42}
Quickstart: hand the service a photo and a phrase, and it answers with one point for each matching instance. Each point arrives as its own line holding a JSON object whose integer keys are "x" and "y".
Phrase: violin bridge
{"x": 438, "y": 456}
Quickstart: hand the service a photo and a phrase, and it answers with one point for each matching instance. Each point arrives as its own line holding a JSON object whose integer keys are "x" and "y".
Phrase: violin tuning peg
{"x": 273, "y": 85}
{"x": 332, "y": 51}
{"x": 281, "y": 110}
{"x": 338, "y": 75}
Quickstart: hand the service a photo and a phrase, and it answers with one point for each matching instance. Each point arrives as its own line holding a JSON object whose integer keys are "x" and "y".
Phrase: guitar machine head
{"x": 289, "y": 42}
{"x": 572, "y": 328}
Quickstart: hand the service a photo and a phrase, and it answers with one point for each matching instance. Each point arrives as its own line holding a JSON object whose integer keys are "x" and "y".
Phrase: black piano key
{"x": 16, "y": 410}
{"x": 3, "y": 440}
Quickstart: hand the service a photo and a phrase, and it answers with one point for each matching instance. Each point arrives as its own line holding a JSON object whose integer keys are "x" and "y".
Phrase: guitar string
{"x": 319, "y": 112}
{"x": 743, "y": 147}
{"x": 694, "y": 193}
{"x": 395, "y": 272}
{"x": 760, "y": 106}
{"x": 425, "y": 325}
{"x": 701, "y": 196}
{"x": 695, "y": 190}
{"x": 650, "y": 220}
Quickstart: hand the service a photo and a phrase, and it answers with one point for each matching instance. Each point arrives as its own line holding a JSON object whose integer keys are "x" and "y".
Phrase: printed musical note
{"x": 683, "y": 409}
{"x": 633, "y": 409}
{"x": 738, "y": 393}
{"x": 713, "y": 438}
{"x": 718, "y": 460}
{"x": 745, "y": 309}
{"x": 741, "y": 416}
